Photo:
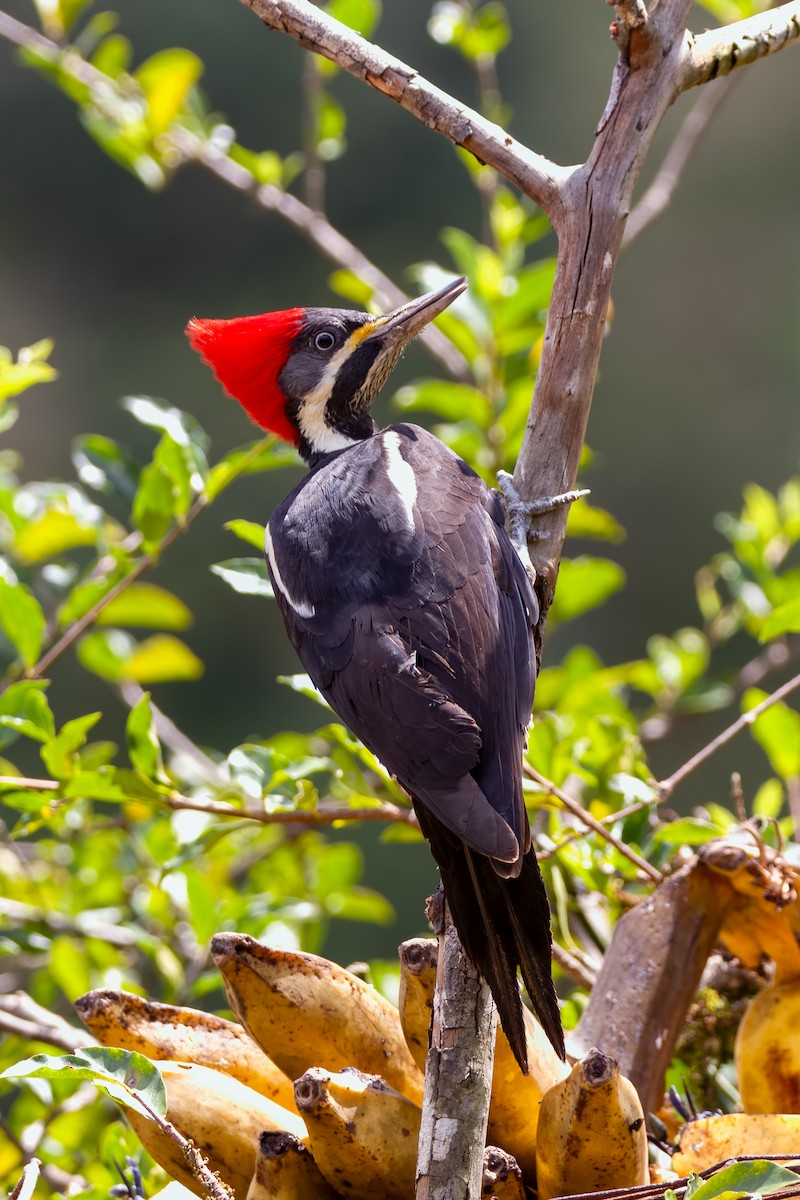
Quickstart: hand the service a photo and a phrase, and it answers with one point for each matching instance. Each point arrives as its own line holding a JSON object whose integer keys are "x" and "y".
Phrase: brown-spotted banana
{"x": 710, "y": 1140}
{"x": 221, "y": 1116}
{"x": 591, "y": 1134}
{"x": 363, "y": 1134}
{"x": 286, "y": 1170}
{"x": 305, "y": 1011}
{"x": 165, "y": 1031}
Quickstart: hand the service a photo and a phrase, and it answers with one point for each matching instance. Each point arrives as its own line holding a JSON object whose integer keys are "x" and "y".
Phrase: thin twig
{"x": 573, "y": 967}
{"x": 556, "y": 847}
{"x": 315, "y": 30}
{"x": 589, "y": 821}
{"x": 317, "y": 229}
{"x": 660, "y": 192}
{"x": 324, "y": 815}
{"x": 84, "y": 924}
{"x": 309, "y": 223}
{"x": 667, "y": 786}
{"x": 212, "y": 1184}
{"x": 719, "y": 51}
{"x": 26, "y": 1184}
{"x": 22, "y": 1016}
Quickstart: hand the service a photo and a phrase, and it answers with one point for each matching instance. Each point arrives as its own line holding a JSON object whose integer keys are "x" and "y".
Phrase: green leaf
{"x": 127, "y": 1077}
{"x": 586, "y": 521}
{"x": 783, "y": 619}
{"x": 264, "y": 455}
{"x": 21, "y": 617}
{"x": 59, "y": 753}
{"x": 152, "y": 504}
{"x": 105, "y": 466}
{"x": 180, "y": 426}
{"x": 30, "y": 368}
{"x": 448, "y": 401}
{"x": 759, "y": 1177}
{"x": 162, "y": 659}
{"x": 584, "y": 583}
{"x": 361, "y": 15}
{"x": 146, "y": 605}
{"x": 249, "y": 531}
{"x": 144, "y": 748}
{"x": 54, "y": 532}
{"x": 166, "y": 79}
{"x": 246, "y": 575}
{"x": 104, "y": 652}
{"x": 690, "y": 831}
{"x": 777, "y": 731}
{"x": 24, "y": 710}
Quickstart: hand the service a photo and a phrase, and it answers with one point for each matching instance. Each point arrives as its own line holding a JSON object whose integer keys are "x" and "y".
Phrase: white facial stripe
{"x": 302, "y": 610}
{"x": 311, "y": 414}
{"x": 400, "y": 475}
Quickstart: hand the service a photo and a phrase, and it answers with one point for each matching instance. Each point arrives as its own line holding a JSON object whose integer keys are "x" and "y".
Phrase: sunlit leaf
{"x": 583, "y": 584}
{"x": 161, "y": 659}
{"x": 757, "y": 1178}
{"x": 246, "y": 575}
{"x": 690, "y": 831}
{"x": 777, "y": 731}
{"x": 144, "y": 748}
{"x": 24, "y": 710}
{"x": 166, "y": 78}
{"x": 21, "y": 618}
{"x": 146, "y": 605}
{"x": 449, "y": 401}
{"x": 249, "y": 531}
{"x": 58, "y": 754}
{"x": 153, "y": 504}
{"x": 52, "y": 534}
{"x": 104, "y": 465}
{"x": 30, "y": 368}
{"x": 784, "y": 619}
{"x": 361, "y": 15}
{"x": 127, "y": 1077}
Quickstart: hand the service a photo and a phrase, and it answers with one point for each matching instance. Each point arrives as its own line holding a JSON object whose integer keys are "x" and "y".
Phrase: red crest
{"x": 246, "y": 355}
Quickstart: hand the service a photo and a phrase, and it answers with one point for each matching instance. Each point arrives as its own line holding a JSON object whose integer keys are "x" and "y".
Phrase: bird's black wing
{"x": 412, "y": 614}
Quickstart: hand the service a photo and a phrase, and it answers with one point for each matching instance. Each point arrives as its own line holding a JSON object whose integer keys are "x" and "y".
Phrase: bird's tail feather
{"x": 503, "y": 923}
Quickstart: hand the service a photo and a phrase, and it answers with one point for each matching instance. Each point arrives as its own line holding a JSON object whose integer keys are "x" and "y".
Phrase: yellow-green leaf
{"x": 166, "y": 79}
{"x": 161, "y": 659}
{"x": 146, "y": 605}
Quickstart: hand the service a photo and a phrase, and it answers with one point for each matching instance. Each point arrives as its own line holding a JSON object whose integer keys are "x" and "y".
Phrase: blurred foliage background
{"x": 697, "y": 400}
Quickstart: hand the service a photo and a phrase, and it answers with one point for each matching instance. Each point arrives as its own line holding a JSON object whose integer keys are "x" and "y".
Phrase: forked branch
{"x": 314, "y": 30}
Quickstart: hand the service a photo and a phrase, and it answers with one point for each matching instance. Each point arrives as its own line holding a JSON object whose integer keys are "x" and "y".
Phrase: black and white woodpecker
{"x": 411, "y": 612}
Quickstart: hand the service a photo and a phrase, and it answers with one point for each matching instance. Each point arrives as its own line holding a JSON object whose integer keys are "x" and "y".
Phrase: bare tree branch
{"x": 659, "y": 194}
{"x": 667, "y": 786}
{"x": 314, "y": 30}
{"x": 719, "y": 51}
{"x": 21, "y": 1015}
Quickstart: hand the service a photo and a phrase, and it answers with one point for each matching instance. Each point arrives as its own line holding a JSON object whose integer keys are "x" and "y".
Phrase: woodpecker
{"x": 410, "y": 610}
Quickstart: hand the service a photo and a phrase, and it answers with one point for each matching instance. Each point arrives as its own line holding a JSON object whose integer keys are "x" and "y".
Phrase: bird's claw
{"x": 521, "y": 513}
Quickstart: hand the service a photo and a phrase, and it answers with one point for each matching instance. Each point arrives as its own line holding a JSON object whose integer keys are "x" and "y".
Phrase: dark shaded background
{"x": 699, "y": 379}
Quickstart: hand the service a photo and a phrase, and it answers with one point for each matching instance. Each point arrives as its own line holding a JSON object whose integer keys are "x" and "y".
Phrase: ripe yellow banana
{"x": 591, "y": 1133}
{"x": 163, "y": 1031}
{"x": 418, "y": 959}
{"x": 514, "y": 1108}
{"x": 502, "y": 1178}
{"x": 363, "y": 1133}
{"x": 285, "y": 1170}
{"x": 767, "y": 1051}
{"x": 223, "y": 1118}
{"x": 710, "y": 1140}
{"x": 305, "y": 1011}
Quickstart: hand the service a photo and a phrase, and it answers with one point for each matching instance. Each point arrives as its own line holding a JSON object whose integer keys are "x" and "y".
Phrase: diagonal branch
{"x": 720, "y": 51}
{"x": 660, "y": 192}
{"x": 314, "y": 30}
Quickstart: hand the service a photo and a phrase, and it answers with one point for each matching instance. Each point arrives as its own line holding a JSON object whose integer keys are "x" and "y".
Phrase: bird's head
{"x": 310, "y": 375}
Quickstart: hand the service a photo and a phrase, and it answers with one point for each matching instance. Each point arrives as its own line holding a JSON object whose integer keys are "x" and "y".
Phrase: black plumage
{"x": 412, "y": 614}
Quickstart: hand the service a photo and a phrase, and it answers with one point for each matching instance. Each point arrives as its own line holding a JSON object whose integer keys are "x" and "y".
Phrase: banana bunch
{"x": 591, "y": 1135}
{"x": 349, "y": 1124}
{"x": 515, "y": 1100}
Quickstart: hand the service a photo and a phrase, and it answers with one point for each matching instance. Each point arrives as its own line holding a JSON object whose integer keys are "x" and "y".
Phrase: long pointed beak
{"x": 407, "y": 320}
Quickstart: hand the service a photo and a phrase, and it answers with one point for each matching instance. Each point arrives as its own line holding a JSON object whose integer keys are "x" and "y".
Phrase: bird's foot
{"x": 522, "y": 513}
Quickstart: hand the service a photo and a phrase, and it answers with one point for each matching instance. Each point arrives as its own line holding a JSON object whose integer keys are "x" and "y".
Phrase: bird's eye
{"x": 324, "y": 340}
